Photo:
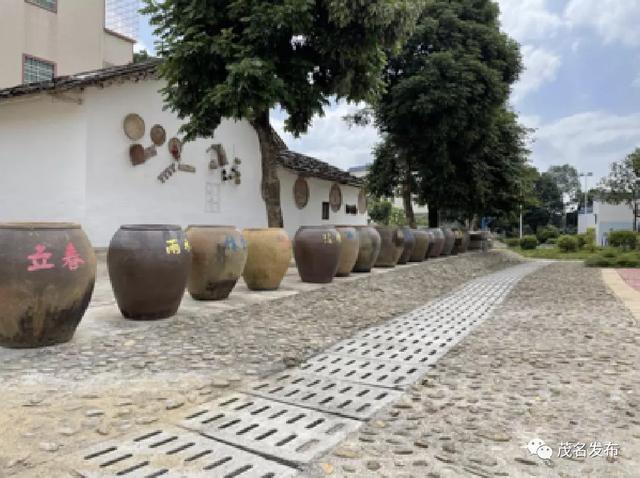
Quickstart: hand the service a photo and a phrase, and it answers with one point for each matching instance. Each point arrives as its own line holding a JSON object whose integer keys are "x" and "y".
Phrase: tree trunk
{"x": 270, "y": 181}
{"x": 408, "y": 203}
{"x": 433, "y": 216}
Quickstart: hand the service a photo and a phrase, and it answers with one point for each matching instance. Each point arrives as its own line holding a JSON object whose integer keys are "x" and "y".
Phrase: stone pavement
{"x": 631, "y": 277}
{"x": 558, "y": 362}
{"x": 118, "y": 375}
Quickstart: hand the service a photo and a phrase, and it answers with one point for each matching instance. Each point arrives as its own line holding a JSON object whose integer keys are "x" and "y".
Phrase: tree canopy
{"x": 241, "y": 58}
{"x": 622, "y": 185}
{"x": 444, "y": 112}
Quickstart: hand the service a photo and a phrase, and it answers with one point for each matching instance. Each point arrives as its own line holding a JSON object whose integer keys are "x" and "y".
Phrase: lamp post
{"x": 585, "y": 176}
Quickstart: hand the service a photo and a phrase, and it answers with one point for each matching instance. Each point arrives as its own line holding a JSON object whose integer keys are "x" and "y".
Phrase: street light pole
{"x": 585, "y": 175}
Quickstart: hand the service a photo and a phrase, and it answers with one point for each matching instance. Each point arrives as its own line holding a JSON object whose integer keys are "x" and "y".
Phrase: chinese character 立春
{"x": 173, "y": 247}
{"x": 39, "y": 259}
{"x": 72, "y": 259}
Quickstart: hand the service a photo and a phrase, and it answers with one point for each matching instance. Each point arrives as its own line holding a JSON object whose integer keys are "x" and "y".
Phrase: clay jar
{"x": 464, "y": 246}
{"x": 438, "y": 242}
{"x": 349, "y": 249}
{"x": 421, "y": 245}
{"x": 218, "y": 255}
{"x": 47, "y": 274}
{"x": 317, "y": 253}
{"x": 391, "y": 246}
{"x": 268, "y": 257}
{"x": 449, "y": 241}
{"x": 409, "y": 244}
{"x": 369, "y": 240}
{"x": 148, "y": 266}
{"x": 431, "y": 244}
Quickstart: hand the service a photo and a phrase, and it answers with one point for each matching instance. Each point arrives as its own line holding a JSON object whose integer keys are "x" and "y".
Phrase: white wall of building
{"x": 63, "y": 161}
{"x": 611, "y": 217}
{"x": 586, "y": 221}
{"x": 318, "y": 193}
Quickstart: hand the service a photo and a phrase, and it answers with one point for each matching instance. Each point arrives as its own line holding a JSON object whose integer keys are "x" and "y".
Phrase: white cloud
{"x": 614, "y": 20}
{"x": 140, "y": 46}
{"x": 590, "y": 141}
{"x": 331, "y": 139}
{"x": 541, "y": 66}
{"x": 527, "y": 20}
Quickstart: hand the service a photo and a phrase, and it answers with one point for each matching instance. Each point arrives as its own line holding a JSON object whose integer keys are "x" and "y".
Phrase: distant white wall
{"x": 586, "y": 221}
{"x": 311, "y": 215}
{"x": 611, "y": 217}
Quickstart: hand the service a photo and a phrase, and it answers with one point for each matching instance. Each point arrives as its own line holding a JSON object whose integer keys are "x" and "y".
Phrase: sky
{"x": 580, "y": 90}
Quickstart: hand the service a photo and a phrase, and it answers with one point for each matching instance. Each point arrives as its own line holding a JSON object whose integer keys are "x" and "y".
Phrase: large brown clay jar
{"x": 369, "y": 239}
{"x": 449, "y": 241}
{"x": 47, "y": 274}
{"x": 317, "y": 253}
{"x": 268, "y": 257}
{"x": 464, "y": 246}
{"x": 438, "y": 242}
{"x": 349, "y": 249}
{"x": 409, "y": 244}
{"x": 391, "y": 246}
{"x": 218, "y": 256}
{"x": 149, "y": 266}
{"x": 432, "y": 240}
{"x": 421, "y": 245}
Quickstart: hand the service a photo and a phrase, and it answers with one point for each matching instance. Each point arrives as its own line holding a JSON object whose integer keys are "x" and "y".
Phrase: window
{"x": 325, "y": 211}
{"x": 51, "y": 5}
{"x": 34, "y": 70}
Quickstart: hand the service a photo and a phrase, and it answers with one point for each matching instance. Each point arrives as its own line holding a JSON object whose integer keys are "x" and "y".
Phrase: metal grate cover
{"x": 328, "y": 395}
{"x": 170, "y": 452}
{"x": 366, "y": 371}
{"x": 389, "y": 352}
{"x": 285, "y": 431}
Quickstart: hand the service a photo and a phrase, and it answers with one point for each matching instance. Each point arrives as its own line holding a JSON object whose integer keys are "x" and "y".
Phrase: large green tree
{"x": 241, "y": 58}
{"x": 444, "y": 110}
{"x": 622, "y": 185}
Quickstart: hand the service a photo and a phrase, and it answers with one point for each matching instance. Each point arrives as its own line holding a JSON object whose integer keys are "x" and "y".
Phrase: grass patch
{"x": 554, "y": 253}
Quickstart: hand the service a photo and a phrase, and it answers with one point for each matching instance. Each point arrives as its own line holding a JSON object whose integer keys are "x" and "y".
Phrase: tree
{"x": 622, "y": 185}
{"x": 445, "y": 107}
{"x": 568, "y": 182}
{"x": 140, "y": 56}
{"x": 241, "y": 58}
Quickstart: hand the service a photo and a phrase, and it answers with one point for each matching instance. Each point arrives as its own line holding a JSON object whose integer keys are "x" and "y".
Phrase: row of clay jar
{"x": 48, "y": 270}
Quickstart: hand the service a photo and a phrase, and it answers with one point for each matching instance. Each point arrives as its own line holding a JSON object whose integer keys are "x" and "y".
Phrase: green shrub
{"x": 547, "y": 232}
{"x": 568, "y": 243}
{"x": 628, "y": 260}
{"x": 512, "y": 242}
{"x": 553, "y": 240}
{"x": 609, "y": 252}
{"x": 590, "y": 238}
{"x": 599, "y": 260}
{"x": 529, "y": 242}
{"x": 582, "y": 240}
{"x": 626, "y": 240}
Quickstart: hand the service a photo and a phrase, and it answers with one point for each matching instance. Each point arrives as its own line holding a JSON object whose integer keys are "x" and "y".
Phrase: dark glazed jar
{"x": 218, "y": 256}
{"x": 409, "y": 244}
{"x": 47, "y": 274}
{"x": 432, "y": 239}
{"x": 317, "y": 252}
{"x": 438, "y": 242}
{"x": 369, "y": 239}
{"x": 464, "y": 245}
{"x": 148, "y": 266}
{"x": 421, "y": 245}
{"x": 449, "y": 241}
{"x": 391, "y": 246}
{"x": 349, "y": 249}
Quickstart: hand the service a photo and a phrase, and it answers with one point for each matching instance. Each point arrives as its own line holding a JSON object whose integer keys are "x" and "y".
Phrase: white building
{"x": 606, "y": 218}
{"x": 65, "y": 157}
{"x": 40, "y": 39}
{"x": 362, "y": 171}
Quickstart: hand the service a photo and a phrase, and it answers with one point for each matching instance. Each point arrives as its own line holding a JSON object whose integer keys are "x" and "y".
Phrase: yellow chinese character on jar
{"x": 173, "y": 247}
{"x": 187, "y": 245}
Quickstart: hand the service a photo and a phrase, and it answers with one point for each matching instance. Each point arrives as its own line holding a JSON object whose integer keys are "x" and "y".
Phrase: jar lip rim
{"x": 263, "y": 229}
{"x": 210, "y": 226}
{"x": 317, "y": 227}
{"x": 39, "y": 225}
{"x": 150, "y": 227}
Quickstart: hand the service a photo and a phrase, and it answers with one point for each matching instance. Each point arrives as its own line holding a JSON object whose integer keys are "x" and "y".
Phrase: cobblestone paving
{"x": 558, "y": 361}
{"x": 70, "y": 396}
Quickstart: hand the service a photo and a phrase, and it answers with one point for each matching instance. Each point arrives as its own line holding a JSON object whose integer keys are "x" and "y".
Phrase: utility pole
{"x": 585, "y": 175}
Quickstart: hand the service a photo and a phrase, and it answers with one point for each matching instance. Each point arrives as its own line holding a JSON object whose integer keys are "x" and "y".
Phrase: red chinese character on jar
{"x": 39, "y": 259}
{"x": 71, "y": 259}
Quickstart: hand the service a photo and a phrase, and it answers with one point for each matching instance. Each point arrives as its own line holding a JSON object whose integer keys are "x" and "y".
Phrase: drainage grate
{"x": 334, "y": 396}
{"x": 285, "y": 431}
{"x": 366, "y": 371}
{"x": 408, "y": 354}
{"x": 170, "y": 452}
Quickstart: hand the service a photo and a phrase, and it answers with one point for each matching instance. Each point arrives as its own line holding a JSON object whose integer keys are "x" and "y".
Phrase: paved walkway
{"x": 631, "y": 277}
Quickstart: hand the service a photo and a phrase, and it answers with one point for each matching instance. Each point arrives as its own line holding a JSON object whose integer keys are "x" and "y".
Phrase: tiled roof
{"x": 131, "y": 72}
{"x": 302, "y": 164}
